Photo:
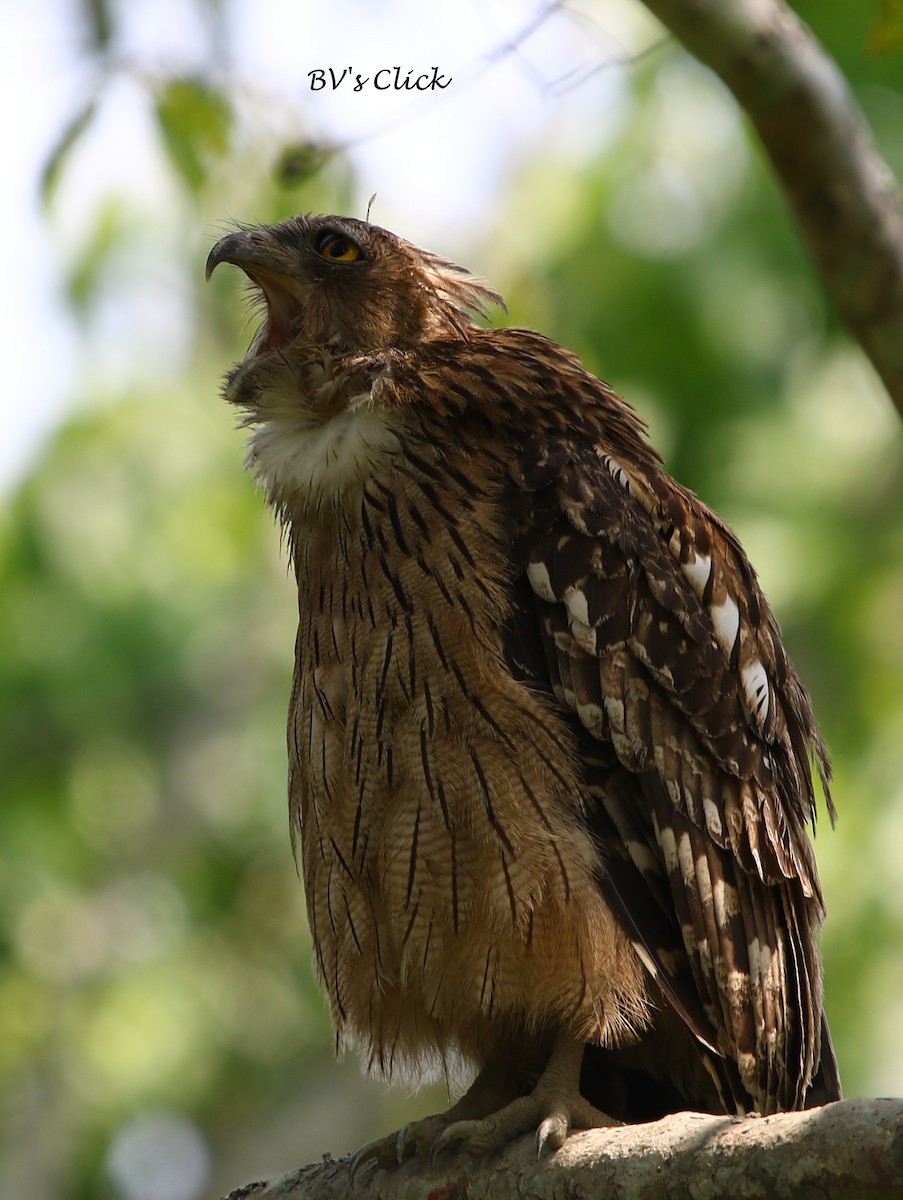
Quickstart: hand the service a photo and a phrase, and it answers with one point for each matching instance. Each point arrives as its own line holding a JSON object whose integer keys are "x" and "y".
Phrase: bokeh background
{"x": 161, "y": 1036}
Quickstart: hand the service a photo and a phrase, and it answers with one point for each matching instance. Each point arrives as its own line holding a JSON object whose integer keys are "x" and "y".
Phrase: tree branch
{"x": 841, "y": 192}
{"x": 853, "y": 1149}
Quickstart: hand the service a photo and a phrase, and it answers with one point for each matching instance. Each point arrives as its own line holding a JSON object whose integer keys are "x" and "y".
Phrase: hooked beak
{"x": 248, "y": 250}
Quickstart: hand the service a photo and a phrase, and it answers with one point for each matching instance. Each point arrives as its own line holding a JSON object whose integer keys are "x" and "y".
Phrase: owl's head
{"x": 341, "y": 282}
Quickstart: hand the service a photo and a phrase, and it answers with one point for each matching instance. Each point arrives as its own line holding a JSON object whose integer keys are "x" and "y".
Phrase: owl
{"x": 550, "y": 767}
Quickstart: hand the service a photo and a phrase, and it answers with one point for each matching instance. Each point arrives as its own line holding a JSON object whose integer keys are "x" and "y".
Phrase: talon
{"x": 452, "y": 1135}
{"x": 488, "y": 1116}
{"x": 552, "y": 1134}
{"x": 363, "y": 1158}
{"x": 380, "y": 1155}
{"x": 406, "y": 1141}
{"x": 440, "y": 1142}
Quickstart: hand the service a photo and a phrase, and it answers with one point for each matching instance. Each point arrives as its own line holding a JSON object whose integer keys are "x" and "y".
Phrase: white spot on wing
{"x": 685, "y": 857}
{"x": 538, "y": 575}
{"x": 698, "y": 572}
{"x": 726, "y": 619}
{"x": 643, "y": 858}
{"x": 726, "y": 900}
{"x": 756, "y": 689}
{"x": 585, "y": 635}
{"x": 617, "y": 472}
{"x": 614, "y": 710}
{"x": 712, "y": 816}
{"x": 760, "y": 958}
{"x": 593, "y": 718}
{"x": 577, "y": 607}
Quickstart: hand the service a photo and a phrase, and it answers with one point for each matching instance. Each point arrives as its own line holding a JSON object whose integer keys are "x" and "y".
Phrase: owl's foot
{"x": 552, "y": 1109}
{"x": 490, "y": 1115}
{"x": 490, "y": 1091}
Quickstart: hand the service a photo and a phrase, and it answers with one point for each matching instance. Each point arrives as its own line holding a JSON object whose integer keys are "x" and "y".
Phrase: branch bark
{"x": 852, "y": 1150}
{"x": 843, "y": 195}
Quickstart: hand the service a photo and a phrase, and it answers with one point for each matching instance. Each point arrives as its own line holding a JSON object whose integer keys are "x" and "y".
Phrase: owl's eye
{"x": 337, "y": 248}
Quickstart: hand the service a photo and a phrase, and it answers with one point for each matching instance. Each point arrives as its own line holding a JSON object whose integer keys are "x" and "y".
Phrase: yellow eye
{"x": 337, "y": 248}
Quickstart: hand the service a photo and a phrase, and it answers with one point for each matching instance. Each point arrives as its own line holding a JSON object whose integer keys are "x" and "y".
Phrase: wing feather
{"x": 696, "y": 735}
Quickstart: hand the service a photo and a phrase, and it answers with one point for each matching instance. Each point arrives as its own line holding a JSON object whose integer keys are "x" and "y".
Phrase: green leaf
{"x": 196, "y": 123}
{"x": 56, "y": 160}
{"x": 886, "y": 34}
{"x": 99, "y": 20}
{"x": 105, "y": 235}
{"x": 301, "y": 161}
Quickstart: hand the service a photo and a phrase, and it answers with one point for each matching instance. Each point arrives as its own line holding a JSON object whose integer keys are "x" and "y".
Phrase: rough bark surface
{"x": 843, "y": 196}
{"x": 852, "y": 1150}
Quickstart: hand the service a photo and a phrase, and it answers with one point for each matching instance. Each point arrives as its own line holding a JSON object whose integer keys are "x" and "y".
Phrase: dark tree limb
{"x": 842, "y": 194}
{"x": 852, "y": 1150}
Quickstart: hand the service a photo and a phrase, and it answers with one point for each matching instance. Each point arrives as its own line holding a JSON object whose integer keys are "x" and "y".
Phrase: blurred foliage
{"x": 155, "y": 990}
{"x": 196, "y": 122}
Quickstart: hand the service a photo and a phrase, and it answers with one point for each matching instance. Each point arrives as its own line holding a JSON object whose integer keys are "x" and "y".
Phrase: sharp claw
{"x": 542, "y": 1134}
{"x": 404, "y": 1147}
{"x": 551, "y": 1134}
{"x": 364, "y": 1157}
{"x": 441, "y": 1142}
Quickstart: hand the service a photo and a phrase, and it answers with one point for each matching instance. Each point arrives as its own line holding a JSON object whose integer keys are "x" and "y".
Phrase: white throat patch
{"x": 308, "y": 462}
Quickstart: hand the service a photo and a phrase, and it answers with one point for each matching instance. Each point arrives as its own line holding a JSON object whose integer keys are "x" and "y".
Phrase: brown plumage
{"x": 549, "y": 761}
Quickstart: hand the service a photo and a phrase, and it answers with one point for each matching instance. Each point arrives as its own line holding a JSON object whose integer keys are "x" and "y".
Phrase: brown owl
{"x": 549, "y": 763}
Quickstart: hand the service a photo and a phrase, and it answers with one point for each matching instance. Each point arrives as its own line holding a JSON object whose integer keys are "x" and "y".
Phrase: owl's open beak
{"x": 243, "y": 249}
{"x": 280, "y": 290}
